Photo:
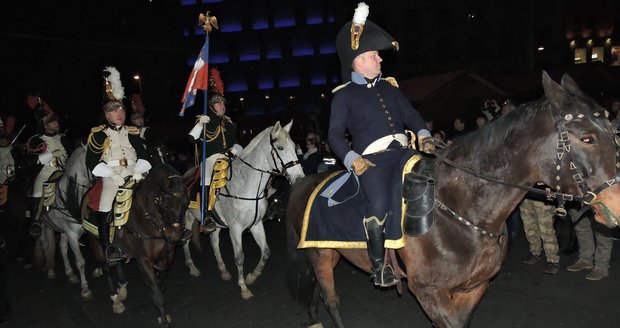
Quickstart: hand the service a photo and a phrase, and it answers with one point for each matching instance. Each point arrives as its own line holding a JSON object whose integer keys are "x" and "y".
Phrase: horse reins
{"x": 273, "y": 173}
{"x": 563, "y": 158}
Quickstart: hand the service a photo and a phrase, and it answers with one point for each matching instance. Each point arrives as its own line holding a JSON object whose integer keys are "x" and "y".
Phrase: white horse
{"x": 62, "y": 216}
{"x": 243, "y": 202}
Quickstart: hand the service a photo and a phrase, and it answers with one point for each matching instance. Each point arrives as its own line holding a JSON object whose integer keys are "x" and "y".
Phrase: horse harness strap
{"x": 464, "y": 221}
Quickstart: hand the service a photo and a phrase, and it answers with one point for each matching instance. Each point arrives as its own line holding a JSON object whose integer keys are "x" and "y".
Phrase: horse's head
{"x": 284, "y": 158}
{"x": 167, "y": 193}
{"x": 587, "y": 149}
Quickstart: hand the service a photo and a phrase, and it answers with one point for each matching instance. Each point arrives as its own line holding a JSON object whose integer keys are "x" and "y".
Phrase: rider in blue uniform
{"x": 375, "y": 112}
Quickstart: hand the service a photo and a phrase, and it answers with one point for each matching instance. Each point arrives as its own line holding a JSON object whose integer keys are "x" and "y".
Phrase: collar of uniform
{"x": 358, "y": 78}
{"x": 114, "y": 127}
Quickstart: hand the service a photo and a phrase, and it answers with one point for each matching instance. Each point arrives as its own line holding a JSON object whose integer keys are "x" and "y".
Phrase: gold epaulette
{"x": 392, "y": 81}
{"x": 98, "y": 128}
{"x": 340, "y": 87}
{"x": 133, "y": 130}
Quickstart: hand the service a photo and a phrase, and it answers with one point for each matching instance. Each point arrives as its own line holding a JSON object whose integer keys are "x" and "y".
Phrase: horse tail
{"x": 300, "y": 275}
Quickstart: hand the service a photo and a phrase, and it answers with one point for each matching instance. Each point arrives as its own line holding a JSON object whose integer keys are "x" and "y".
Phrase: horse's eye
{"x": 588, "y": 140}
{"x": 280, "y": 147}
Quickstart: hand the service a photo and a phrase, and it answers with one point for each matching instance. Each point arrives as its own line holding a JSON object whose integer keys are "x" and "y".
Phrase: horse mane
{"x": 493, "y": 135}
{"x": 255, "y": 141}
{"x": 153, "y": 180}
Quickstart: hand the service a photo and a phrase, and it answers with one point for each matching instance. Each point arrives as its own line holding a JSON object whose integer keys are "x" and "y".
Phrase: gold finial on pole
{"x": 207, "y": 22}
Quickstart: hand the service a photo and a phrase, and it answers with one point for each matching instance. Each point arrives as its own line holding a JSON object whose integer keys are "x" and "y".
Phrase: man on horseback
{"x": 375, "y": 113}
{"x": 220, "y": 134}
{"x": 52, "y": 149}
{"x": 115, "y": 151}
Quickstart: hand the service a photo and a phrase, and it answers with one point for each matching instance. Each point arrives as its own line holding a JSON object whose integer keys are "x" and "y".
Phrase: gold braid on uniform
{"x": 94, "y": 146}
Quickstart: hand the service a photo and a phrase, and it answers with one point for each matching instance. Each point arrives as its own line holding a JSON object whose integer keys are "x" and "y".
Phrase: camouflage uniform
{"x": 537, "y": 220}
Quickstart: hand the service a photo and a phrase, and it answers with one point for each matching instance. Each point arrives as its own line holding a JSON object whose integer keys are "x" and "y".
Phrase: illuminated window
{"x": 615, "y": 56}
{"x": 581, "y": 56}
{"x": 273, "y": 50}
{"x": 260, "y": 23}
{"x": 188, "y": 2}
{"x": 314, "y": 16}
{"x": 211, "y": 1}
{"x": 283, "y": 17}
{"x": 598, "y": 54}
{"x": 248, "y": 49}
{"x": 302, "y": 46}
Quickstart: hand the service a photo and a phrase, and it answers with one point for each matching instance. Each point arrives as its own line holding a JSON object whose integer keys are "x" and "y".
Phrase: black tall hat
{"x": 359, "y": 36}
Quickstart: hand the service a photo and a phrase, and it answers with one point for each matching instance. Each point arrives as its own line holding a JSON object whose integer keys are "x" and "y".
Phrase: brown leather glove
{"x": 427, "y": 147}
{"x": 360, "y": 165}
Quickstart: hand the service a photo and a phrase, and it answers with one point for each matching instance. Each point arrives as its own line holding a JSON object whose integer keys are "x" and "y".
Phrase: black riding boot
{"x": 383, "y": 275}
{"x": 208, "y": 225}
{"x": 111, "y": 252}
{"x": 35, "y": 227}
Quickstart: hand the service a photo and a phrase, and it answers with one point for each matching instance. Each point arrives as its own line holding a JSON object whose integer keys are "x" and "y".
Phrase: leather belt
{"x": 121, "y": 162}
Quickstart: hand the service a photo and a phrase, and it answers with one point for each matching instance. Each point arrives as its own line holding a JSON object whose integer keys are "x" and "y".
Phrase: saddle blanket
{"x": 340, "y": 226}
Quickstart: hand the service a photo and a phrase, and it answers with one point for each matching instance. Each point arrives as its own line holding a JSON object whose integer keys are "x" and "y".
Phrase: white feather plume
{"x": 361, "y": 12}
{"x": 115, "y": 81}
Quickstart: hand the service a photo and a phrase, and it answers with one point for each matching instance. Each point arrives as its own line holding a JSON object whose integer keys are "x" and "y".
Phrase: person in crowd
{"x": 537, "y": 220}
{"x": 595, "y": 245}
{"x": 375, "y": 113}
{"x": 137, "y": 120}
{"x": 481, "y": 120}
{"x": 459, "y": 128}
{"x": 220, "y": 134}
{"x": 507, "y": 107}
{"x": 51, "y": 149}
{"x": 7, "y": 163}
{"x": 114, "y": 152}
{"x": 311, "y": 159}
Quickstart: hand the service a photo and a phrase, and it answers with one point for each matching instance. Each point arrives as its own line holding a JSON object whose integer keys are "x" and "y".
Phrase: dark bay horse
{"x": 448, "y": 269}
{"x": 150, "y": 236}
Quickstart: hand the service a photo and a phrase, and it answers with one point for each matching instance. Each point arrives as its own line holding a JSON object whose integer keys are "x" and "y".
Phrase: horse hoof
{"x": 316, "y": 325}
{"x": 118, "y": 308}
{"x": 51, "y": 275}
{"x": 246, "y": 295}
{"x": 86, "y": 296}
{"x": 251, "y": 278}
{"x": 167, "y": 322}
{"x": 97, "y": 273}
{"x": 225, "y": 276}
{"x": 194, "y": 272}
{"x": 73, "y": 279}
{"x": 122, "y": 292}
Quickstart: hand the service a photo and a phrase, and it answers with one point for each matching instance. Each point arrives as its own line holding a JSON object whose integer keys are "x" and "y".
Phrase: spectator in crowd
{"x": 537, "y": 220}
{"x": 311, "y": 159}
{"x": 595, "y": 244}
{"x": 459, "y": 127}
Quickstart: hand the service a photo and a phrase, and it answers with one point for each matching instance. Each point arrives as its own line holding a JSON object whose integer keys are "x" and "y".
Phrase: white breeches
{"x": 210, "y": 162}
{"x": 109, "y": 188}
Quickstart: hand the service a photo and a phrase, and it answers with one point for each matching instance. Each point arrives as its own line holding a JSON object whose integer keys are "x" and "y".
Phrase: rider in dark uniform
{"x": 220, "y": 135}
{"x": 375, "y": 112}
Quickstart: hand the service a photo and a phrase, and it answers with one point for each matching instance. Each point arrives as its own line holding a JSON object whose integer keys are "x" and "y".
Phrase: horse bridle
{"x": 161, "y": 202}
{"x": 563, "y": 158}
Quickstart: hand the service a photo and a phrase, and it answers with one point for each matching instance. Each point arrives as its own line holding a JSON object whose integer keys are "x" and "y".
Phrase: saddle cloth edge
{"x": 389, "y": 243}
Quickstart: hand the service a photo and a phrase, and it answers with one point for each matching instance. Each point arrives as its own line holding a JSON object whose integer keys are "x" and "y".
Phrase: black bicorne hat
{"x": 359, "y": 36}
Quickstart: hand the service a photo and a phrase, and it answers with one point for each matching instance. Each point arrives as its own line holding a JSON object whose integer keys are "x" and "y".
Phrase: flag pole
{"x": 207, "y": 22}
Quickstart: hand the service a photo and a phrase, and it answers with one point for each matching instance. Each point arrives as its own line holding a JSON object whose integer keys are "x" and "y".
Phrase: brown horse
{"x": 481, "y": 178}
{"x": 151, "y": 235}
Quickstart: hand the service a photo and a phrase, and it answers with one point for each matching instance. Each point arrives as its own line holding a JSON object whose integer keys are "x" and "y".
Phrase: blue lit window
{"x": 211, "y": 1}
{"x": 283, "y": 17}
{"x": 218, "y": 58}
{"x": 302, "y": 46}
{"x": 187, "y": 2}
{"x": 289, "y": 81}
{"x": 327, "y": 47}
{"x": 230, "y": 24}
{"x": 248, "y": 48}
{"x": 314, "y": 16}
{"x": 260, "y": 23}
{"x": 273, "y": 50}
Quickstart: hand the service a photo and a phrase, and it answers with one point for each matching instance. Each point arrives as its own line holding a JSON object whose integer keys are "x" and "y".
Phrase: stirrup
{"x": 35, "y": 229}
{"x": 209, "y": 226}
{"x": 385, "y": 277}
{"x": 113, "y": 254}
